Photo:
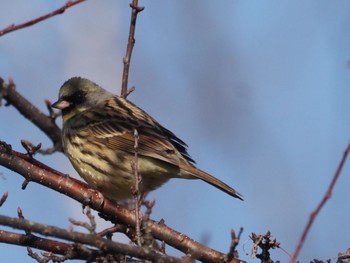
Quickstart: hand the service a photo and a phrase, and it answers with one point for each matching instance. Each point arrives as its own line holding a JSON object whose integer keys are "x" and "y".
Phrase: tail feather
{"x": 197, "y": 173}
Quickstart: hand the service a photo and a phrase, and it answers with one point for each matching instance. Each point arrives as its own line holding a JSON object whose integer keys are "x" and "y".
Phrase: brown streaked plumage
{"x": 98, "y": 138}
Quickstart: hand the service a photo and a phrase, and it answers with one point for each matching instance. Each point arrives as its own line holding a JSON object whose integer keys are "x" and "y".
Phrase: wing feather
{"x": 114, "y": 121}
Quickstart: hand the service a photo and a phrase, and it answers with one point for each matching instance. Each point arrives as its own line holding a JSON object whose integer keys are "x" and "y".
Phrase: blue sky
{"x": 259, "y": 90}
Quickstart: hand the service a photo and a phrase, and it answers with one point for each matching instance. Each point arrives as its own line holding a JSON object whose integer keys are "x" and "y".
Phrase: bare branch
{"x": 265, "y": 243}
{"x": 59, "y": 11}
{"x": 129, "y": 91}
{"x": 234, "y": 243}
{"x": 131, "y": 41}
{"x": 30, "y": 148}
{"x": 108, "y": 232}
{"x": 93, "y": 240}
{"x": 4, "y": 198}
{"x": 136, "y": 191}
{"x": 38, "y": 172}
{"x": 50, "y": 245}
{"x": 148, "y": 239}
{"x": 314, "y": 214}
{"x": 43, "y": 122}
{"x": 91, "y": 227}
{"x": 21, "y": 217}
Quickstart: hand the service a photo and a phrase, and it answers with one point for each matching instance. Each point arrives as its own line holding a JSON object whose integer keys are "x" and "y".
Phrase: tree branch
{"x": 35, "y": 171}
{"x": 54, "y": 246}
{"x": 314, "y": 214}
{"x": 28, "y": 110}
{"x": 59, "y": 11}
{"x": 131, "y": 41}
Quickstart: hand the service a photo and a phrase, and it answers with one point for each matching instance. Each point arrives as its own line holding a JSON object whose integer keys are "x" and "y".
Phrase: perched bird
{"x": 98, "y": 138}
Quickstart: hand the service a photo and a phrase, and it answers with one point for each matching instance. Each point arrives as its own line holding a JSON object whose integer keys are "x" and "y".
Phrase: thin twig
{"x": 25, "y": 184}
{"x": 30, "y": 148}
{"x": 58, "y": 247}
{"x": 49, "y": 256}
{"x": 21, "y": 217}
{"x": 59, "y": 11}
{"x": 314, "y": 214}
{"x": 148, "y": 239}
{"x": 88, "y": 239}
{"x": 131, "y": 41}
{"x": 91, "y": 227}
{"x": 35, "y": 256}
{"x": 256, "y": 240}
{"x": 136, "y": 191}
{"x": 4, "y": 198}
{"x": 117, "y": 228}
{"x": 234, "y": 243}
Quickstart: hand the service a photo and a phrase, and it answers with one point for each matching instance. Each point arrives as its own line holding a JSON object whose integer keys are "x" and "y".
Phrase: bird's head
{"x": 77, "y": 95}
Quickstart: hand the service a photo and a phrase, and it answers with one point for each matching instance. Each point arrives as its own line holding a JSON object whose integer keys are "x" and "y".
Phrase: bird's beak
{"x": 60, "y": 104}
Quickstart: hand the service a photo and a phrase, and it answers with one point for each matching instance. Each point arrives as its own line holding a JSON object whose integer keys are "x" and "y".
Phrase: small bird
{"x": 98, "y": 138}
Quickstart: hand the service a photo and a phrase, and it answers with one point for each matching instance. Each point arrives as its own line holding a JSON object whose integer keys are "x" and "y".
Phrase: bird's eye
{"x": 78, "y": 97}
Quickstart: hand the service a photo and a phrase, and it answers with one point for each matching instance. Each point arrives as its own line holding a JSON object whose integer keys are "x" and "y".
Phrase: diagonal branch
{"x": 35, "y": 171}
{"x": 314, "y": 214}
{"x": 59, "y": 11}
{"x": 28, "y": 110}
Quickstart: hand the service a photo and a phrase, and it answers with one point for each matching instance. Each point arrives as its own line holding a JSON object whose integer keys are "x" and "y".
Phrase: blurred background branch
{"x": 61, "y": 10}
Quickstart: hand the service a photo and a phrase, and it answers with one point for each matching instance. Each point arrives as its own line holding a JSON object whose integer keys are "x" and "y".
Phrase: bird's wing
{"x": 113, "y": 123}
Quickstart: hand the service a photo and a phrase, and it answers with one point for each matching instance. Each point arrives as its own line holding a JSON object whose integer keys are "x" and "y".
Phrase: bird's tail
{"x": 197, "y": 173}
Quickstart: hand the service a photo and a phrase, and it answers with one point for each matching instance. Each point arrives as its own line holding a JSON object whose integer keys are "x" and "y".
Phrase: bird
{"x": 98, "y": 137}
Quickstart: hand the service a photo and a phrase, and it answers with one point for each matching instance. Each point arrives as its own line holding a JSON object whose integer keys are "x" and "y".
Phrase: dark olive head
{"x": 78, "y": 94}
